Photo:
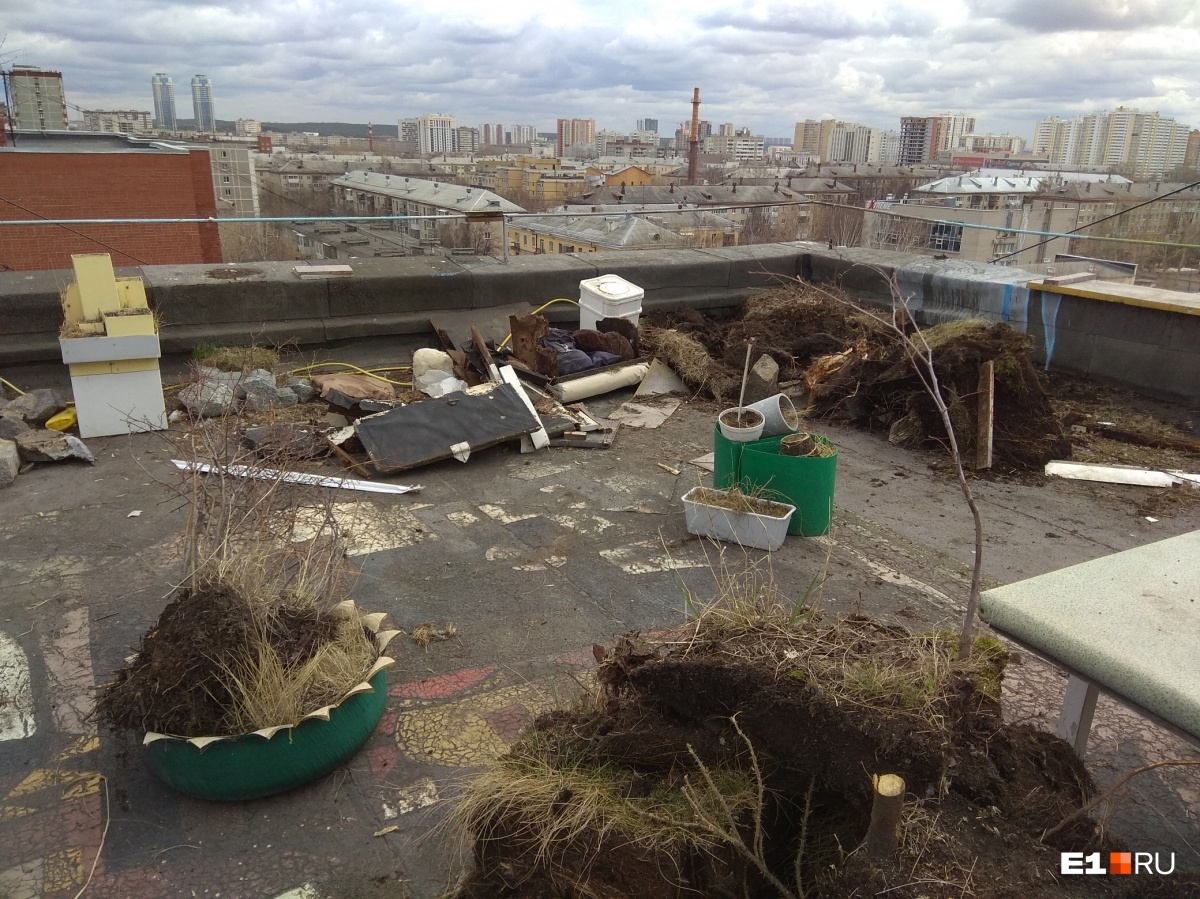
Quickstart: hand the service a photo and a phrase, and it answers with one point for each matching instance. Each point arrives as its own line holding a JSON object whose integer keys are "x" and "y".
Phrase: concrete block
{"x": 1184, "y": 333}
{"x": 351, "y": 326}
{"x": 302, "y": 332}
{"x": 1149, "y": 367}
{"x": 205, "y": 294}
{"x": 406, "y": 284}
{"x": 763, "y": 379}
{"x": 532, "y": 279}
{"x": 762, "y": 265}
{"x": 30, "y": 303}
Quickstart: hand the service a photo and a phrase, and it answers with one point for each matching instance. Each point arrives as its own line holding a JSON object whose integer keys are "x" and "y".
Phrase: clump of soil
{"x": 179, "y": 682}
{"x": 736, "y": 758}
{"x": 857, "y": 370}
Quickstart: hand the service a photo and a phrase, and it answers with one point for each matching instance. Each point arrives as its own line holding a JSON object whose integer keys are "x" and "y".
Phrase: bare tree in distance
{"x": 920, "y": 355}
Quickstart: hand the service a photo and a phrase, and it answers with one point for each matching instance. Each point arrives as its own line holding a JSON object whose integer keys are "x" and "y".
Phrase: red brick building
{"x": 68, "y": 175}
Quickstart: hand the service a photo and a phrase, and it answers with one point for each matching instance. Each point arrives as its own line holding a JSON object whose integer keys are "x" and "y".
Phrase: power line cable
{"x": 73, "y": 231}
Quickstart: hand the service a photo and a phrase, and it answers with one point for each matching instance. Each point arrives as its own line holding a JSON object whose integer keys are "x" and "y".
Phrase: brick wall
{"x": 106, "y": 185}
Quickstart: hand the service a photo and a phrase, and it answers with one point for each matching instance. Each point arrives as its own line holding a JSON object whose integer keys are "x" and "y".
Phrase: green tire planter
{"x": 804, "y": 482}
{"x": 274, "y": 760}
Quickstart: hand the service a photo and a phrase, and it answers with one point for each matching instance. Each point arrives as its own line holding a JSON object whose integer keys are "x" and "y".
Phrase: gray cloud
{"x": 763, "y": 66}
{"x": 1086, "y": 15}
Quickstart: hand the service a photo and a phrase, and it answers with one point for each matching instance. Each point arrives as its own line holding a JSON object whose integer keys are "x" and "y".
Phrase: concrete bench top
{"x": 1128, "y": 622}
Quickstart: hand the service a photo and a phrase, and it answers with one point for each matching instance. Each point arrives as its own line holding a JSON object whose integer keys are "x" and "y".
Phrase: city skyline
{"x": 1009, "y": 63}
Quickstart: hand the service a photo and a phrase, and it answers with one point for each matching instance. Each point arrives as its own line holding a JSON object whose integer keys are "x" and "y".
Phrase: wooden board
{"x": 410, "y": 436}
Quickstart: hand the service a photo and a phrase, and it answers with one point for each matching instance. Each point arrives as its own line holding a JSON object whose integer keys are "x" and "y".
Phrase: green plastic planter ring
{"x": 252, "y": 766}
{"x": 802, "y": 481}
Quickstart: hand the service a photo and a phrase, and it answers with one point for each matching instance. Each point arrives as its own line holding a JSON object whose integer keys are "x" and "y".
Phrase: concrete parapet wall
{"x": 1150, "y": 349}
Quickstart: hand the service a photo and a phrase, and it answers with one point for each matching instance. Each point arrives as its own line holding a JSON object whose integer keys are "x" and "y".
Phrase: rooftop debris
{"x": 409, "y": 436}
{"x": 856, "y": 369}
{"x": 735, "y": 757}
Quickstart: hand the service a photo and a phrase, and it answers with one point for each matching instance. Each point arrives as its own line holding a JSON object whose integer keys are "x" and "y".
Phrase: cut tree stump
{"x": 883, "y": 836}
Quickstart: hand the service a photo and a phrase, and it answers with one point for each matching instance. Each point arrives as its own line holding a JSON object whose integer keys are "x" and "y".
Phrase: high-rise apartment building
{"x": 812, "y": 137}
{"x": 647, "y": 125}
{"x": 117, "y": 121}
{"x": 1052, "y": 137}
{"x": 922, "y": 138}
{"x": 466, "y": 139}
{"x": 849, "y": 142}
{"x": 1134, "y": 143}
{"x": 38, "y": 101}
{"x": 574, "y": 131}
{"x": 409, "y": 131}
{"x": 437, "y": 133}
{"x": 917, "y": 136}
{"x": 889, "y": 148}
{"x": 522, "y": 134}
{"x": 951, "y": 129}
{"x": 992, "y": 143}
{"x": 202, "y": 104}
{"x": 1191, "y": 156}
{"x": 164, "y": 101}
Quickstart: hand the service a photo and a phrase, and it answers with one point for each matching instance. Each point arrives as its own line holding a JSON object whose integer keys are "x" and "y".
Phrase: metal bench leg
{"x": 1075, "y": 720}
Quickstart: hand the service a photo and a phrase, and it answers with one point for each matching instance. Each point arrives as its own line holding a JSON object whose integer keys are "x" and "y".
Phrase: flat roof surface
{"x": 533, "y": 558}
{"x": 1129, "y": 294}
{"x": 83, "y": 142}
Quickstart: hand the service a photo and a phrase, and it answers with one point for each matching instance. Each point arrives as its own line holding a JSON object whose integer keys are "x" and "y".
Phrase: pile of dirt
{"x": 857, "y": 369}
{"x": 736, "y": 759}
{"x": 179, "y": 680}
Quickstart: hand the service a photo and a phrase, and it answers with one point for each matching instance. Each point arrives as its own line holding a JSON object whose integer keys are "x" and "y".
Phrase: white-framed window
{"x": 945, "y": 236}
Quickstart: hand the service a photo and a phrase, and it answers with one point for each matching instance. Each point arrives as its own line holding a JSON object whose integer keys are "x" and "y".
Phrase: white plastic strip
{"x": 539, "y": 438}
{"x": 1121, "y": 474}
{"x": 296, "y": 477}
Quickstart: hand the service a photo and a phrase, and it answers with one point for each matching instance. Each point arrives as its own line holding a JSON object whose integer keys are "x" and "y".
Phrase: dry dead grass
{"x": 239, "y": 358}
{"x": 690, "y": 360}
{"x": 853, "y": 659}
{"x": 268, "y": 692}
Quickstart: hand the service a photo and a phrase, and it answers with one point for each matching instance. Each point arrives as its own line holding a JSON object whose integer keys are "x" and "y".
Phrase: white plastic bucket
{"x": 737, "y": 433}
{"x": 608, "y": 296}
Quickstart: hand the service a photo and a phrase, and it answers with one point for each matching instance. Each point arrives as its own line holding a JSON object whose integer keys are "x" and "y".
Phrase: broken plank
{"x": 985, "y": 412}
{"x": 485, "y": 354}
{"x": 357, "y": 467}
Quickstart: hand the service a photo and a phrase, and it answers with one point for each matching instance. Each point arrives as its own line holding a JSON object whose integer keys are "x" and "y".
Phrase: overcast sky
{"x": 763, "y": 65}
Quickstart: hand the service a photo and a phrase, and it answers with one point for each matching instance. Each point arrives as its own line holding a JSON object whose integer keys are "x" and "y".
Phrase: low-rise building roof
{"x": 456, "y": 197}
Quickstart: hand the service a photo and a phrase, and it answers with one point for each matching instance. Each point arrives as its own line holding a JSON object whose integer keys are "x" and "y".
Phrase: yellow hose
{"x": 505, "y": 341}
{"x": 370, "y": 373}
{"x": 13, "y": 387}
